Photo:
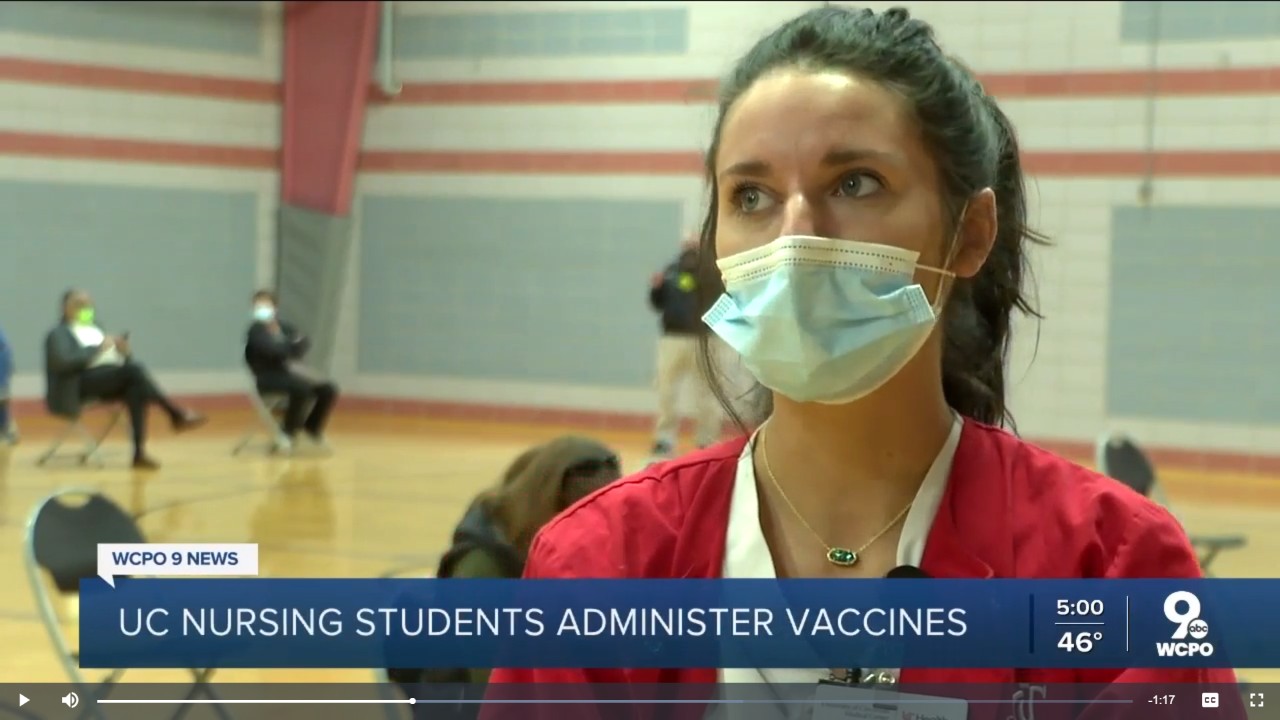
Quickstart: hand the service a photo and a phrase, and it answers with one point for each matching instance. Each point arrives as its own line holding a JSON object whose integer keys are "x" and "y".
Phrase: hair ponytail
{"x": 979, "y": 313}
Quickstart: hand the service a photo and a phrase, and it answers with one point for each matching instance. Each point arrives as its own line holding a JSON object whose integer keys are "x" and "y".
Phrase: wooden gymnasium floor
{"x": 386, "y": 501}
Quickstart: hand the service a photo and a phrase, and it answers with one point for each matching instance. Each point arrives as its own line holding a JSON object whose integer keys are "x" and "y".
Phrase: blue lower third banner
{"x": 227, "y": 623}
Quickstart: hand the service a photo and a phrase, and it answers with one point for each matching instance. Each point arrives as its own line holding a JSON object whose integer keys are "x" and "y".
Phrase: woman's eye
{"x": 750, "y": 199}
{"x": 858, "y": 185}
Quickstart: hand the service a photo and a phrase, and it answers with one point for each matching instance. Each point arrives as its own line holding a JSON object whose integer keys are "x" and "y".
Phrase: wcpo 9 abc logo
{"x": 1190, "y": 631}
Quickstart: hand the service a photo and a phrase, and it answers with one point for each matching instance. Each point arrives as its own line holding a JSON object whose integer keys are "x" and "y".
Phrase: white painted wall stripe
{"x": 137, "y": 116}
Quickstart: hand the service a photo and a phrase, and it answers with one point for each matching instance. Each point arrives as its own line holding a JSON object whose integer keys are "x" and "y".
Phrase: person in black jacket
{"x": 674, "y": 294}
{"x": 272, "y": 352}
{"x": 83, "y": 363}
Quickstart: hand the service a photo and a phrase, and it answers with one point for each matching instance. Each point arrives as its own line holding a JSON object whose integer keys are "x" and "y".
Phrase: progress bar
{"x": 415, "y": 701}
{"x": 410, "y": 701}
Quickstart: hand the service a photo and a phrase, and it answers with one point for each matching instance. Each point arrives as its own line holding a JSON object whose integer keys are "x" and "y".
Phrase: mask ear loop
{"x": 944, "y": 272}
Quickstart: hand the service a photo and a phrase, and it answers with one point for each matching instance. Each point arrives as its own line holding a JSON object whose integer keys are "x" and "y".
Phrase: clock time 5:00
{"x": 1080, "y": 608}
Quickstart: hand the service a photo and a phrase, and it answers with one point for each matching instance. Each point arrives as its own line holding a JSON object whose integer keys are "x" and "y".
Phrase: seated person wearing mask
{"x": 82, "y": 363}
{"x": 272, "y": 352}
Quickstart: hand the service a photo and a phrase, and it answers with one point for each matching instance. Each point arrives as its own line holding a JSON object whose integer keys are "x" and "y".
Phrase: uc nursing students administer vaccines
{"x": 866, "y": 237}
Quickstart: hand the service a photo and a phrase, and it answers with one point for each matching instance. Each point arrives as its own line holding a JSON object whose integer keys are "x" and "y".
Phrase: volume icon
{"x": 71, "y": 700}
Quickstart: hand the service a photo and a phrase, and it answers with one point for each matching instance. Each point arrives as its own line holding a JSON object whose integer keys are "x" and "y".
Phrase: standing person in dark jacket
{"x": 272, "y": 351}
{"x": 673, "y": 293}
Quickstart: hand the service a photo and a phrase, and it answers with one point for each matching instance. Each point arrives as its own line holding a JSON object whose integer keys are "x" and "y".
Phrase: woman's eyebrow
{"x": 834, "y": 157}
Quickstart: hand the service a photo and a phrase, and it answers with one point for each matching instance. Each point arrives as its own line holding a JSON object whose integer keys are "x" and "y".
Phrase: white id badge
{"x": 837, "y": 701}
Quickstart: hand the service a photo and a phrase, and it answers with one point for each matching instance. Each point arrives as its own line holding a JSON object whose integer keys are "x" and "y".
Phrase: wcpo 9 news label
{"x": 156, "y": 606}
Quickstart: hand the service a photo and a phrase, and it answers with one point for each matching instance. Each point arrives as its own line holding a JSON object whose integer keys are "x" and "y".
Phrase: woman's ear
{"x": 977, "y": 234}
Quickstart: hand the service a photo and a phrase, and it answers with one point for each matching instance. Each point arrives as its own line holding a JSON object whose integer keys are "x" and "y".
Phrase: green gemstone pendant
{"x": 842, "y": 557}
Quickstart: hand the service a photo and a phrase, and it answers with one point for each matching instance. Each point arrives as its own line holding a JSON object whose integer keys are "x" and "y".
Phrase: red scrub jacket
{"x": 1010, "y": 510}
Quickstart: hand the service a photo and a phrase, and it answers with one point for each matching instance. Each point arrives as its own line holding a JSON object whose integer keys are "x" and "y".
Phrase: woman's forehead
{"x": 800, "y": 115}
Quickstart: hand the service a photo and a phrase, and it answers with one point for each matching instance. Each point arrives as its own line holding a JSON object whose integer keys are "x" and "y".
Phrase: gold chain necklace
{"x": 843, "y": 557}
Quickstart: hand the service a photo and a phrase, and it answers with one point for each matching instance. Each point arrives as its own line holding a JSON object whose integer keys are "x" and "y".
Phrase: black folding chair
{"x": 62, "y": 543}
{"x": 1119, "y": 457}
{"x": 74, "y": 428}
{"x": 268, "y": 408}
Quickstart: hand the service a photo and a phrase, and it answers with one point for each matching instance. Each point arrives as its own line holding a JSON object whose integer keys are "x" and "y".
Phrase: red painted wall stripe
{"x": 44, "y": 72}
{"x": 593, "y": 92}
{"x": 1179, "y": 458}
{"x": 1185, "y": 163}
{"x": 1259, "y": 163}
{"x": 1110, "y": 83}
{"x": 1262, "y": 464}
{"x": 1102, "y": 83}
{"x": 115, "y": 150}
{"x": 556, "y": 163}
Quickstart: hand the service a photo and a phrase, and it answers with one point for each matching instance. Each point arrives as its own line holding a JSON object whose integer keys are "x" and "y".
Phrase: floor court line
{"x": 195, "y": 501}
{"x": 149, "y": 510}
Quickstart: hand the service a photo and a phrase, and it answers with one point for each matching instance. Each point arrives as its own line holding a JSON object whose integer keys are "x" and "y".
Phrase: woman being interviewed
{"x": 867, "y": 228}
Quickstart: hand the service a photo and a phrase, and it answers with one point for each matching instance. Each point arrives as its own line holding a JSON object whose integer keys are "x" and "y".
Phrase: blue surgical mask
{"x": 822, "y": 320}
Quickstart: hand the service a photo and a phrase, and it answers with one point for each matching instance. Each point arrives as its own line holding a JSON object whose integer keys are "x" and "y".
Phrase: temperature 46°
{"x": 1079, "y": 641}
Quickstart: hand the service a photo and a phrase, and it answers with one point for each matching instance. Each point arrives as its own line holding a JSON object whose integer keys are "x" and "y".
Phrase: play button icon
{"x": 23, "y": 700}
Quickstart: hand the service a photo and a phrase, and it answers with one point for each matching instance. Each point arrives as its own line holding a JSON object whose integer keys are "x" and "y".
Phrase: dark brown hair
{"x": 532, "y": 491}
{"x": 973, "y": 146}
{"x": 66, "y": 299}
